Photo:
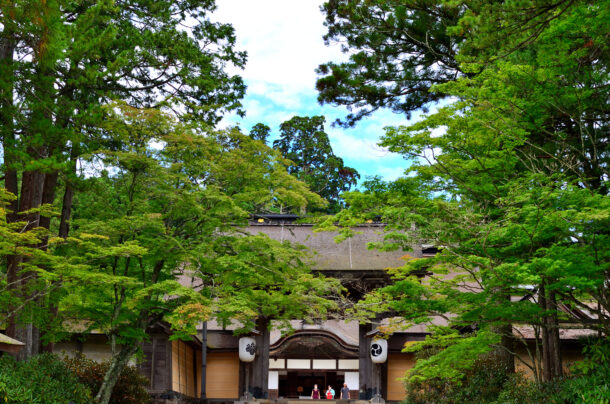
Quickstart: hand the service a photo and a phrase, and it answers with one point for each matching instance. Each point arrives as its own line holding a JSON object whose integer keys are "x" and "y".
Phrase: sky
{"x": 284, "y": 42}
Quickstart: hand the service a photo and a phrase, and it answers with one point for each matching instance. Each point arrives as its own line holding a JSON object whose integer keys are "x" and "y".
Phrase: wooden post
{"x": 365, "y": 374}
{"x": 260, "y": 367}
{"x": 152, "y": 362}
{"x": 204, "y": 356}
{"x": 247, "y": 389}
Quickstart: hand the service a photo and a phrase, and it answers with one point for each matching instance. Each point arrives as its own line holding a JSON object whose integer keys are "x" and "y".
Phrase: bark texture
{"x": 552, "y": 367}
{"x": 118, "y": 363}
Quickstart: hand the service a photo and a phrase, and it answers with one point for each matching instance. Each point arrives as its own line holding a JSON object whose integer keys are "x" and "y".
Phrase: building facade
{"x": 331, "y": 352}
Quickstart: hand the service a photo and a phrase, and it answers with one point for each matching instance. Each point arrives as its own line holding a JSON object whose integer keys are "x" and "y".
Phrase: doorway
{"x": 295, "y": 384}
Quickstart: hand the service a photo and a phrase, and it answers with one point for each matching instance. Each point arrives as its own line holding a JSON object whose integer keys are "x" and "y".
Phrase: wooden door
{"x": 222, "y": 375}
{"x": 398, "y": 364}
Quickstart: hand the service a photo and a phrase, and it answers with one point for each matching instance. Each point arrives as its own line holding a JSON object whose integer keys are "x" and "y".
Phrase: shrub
{"x": 520, "y": 390}
{"x": 591, "y": 378}
{"x": 482, "y": 384}
{"x": 588, "y": 383}
{"x": 43, "y": 379}
{"x": 129, "y": 389}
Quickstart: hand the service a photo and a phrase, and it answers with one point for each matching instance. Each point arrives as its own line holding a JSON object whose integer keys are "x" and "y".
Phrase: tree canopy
{"x": 513, "y": 191}
{"x": 154, "y": 216}
{"x": 115, "y": 183}
{"x": 398, "y": 51}
{"x": 260, "y": 131}
{"x": 61, "y": 62}
{"x": 304, "y": 142}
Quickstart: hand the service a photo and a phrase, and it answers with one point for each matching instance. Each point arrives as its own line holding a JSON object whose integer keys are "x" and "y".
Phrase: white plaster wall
{"x": 95, "y": 348}
{"x": 273, "y": 380}
{"x": 324, "y": 364}
{"x": 351, "y": 378}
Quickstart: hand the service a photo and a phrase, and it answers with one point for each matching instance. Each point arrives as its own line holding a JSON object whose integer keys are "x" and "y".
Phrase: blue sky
{"x": 283, "y": 39}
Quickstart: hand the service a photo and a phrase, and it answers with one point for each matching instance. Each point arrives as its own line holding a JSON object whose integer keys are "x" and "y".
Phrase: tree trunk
{"x": 66, "y": 207}
{"x": 66, "y": 211}
{"x": 553, "y": 333}
{"x": 48, "y": 197}
{"x": 31, "y": 197}
{"x": 365, "y": 368}
{"x": 111, "y": 377}
{"x": 7, "y": 49}
{"x": 551, "y": 352}
{"x": 505, "y": 352}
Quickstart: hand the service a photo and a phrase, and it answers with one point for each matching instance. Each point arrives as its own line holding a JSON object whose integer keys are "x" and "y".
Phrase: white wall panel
{"x": 324, "y": 364}
{"x": 351, "y": 378}
{"x": 277, "y": 363}
{"x": 273, "y": 380}
{"x": 298, "y": 364}
{"x": 349, "y": 364}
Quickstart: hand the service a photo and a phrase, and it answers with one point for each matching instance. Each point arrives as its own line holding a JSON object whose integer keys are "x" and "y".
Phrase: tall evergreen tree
{"x": 60, "y": 62}
{"x": 304, "y": 142}
{"x": 260, "y": 131}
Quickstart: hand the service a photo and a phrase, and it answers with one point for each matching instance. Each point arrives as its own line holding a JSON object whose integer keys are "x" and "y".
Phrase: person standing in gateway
{"x": 344, "y": 392}
{"x": 315, "y": 393}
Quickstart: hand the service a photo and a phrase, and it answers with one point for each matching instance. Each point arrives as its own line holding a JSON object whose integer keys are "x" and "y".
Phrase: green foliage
{"x": 40, "y": 268}
{"x": 304, "y": 142}
{"x": 589, "y": 382}
{"x": 265, "y": 278}
{"x": 44, "y": 379}
{"x": 61, "y": 64}
{"x": 591, "y": 377}
{"x": 174, "y": 211}
{"x": 131, "y": 387}
{"x": 160, "y": 197}
{"x": 481, "y": 384}
{"x": 454, "y": 354}
{"x": 509, "y": 181}
{"x": 260, "y": 131}
{"x": 488, "y": 382}
{"x": 164, "y": 216}
{"x": 398, "y": 50}
{"x": 520, "y": 390}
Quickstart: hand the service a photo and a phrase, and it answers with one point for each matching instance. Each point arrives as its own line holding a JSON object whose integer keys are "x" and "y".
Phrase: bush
{"x": 129, "y": 389}
{"x": 590, "y": 381}
{"x": 482, "y": 384}
{"x": 520, "y": 390}
{"x": 44, "y": 379}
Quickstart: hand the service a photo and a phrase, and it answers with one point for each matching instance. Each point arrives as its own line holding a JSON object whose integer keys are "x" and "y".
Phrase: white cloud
{"x": 352, "y": 147}
{"x": 284, "y": 42}
{"x": 391, "y": 173}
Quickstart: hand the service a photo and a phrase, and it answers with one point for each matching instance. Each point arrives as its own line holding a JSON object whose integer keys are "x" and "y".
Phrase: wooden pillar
{"x": 365, "y": 372}
{"x": 204, "y": 357}
{"x": 383, "y": 386}
{"x": 259, "y": 374}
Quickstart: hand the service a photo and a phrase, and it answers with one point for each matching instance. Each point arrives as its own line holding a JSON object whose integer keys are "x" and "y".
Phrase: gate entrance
{"x": 300, "y": 383}
{"x": 309, "y": 357}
